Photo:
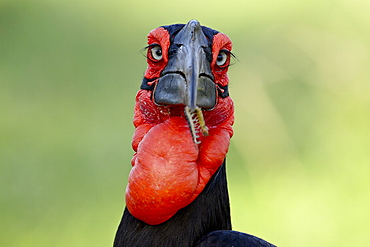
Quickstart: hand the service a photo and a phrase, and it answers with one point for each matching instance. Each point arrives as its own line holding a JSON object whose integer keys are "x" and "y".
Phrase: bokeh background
{"x": 299, "y": 162}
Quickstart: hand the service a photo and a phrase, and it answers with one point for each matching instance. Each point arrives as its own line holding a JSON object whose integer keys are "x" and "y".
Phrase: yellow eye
{"x": 222, "y": 58}
{"x": 156, "y": 52}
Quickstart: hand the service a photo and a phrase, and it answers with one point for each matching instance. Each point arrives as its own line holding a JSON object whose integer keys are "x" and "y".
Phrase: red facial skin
{"x": 168, "y": 169}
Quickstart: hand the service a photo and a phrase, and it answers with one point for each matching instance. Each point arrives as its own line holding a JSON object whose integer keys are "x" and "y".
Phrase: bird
{"x": 177, "y": 192}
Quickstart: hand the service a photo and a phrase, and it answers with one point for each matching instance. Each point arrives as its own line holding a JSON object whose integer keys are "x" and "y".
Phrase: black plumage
{"x": 227, "y": 238}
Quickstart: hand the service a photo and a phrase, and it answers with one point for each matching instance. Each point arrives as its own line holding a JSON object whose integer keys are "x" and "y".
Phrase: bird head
{"x": 183, "y": 119}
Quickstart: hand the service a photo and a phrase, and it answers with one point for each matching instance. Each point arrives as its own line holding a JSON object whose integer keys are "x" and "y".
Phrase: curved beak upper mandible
{"x": 187, "y": 79}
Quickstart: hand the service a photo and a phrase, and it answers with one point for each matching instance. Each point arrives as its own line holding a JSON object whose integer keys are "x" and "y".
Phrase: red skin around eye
{"x": 168, "y": 169}
{"x": 161, "y": 37}
{"x": 220, "y": 41}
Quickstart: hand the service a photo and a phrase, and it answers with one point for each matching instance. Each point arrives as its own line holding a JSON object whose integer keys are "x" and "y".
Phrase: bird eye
{"x": 156, "y": 52}
{"x": 222, "y": 58}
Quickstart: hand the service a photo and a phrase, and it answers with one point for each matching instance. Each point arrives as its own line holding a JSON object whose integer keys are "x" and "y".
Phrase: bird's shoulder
{"x": 229, "y": 238}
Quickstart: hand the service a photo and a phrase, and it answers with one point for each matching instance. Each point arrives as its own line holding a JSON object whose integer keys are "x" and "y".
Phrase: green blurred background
{"x": 298, "y": 166}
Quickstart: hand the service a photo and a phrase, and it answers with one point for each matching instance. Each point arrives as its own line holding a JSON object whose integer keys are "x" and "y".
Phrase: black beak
{"x": 187, "y": 79}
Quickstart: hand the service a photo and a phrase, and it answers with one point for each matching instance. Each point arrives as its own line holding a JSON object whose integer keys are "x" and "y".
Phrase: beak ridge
{"x": 190, "y": 67}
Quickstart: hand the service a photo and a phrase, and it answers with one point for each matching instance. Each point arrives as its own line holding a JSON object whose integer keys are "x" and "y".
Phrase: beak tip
{"x": 194, "y": 23}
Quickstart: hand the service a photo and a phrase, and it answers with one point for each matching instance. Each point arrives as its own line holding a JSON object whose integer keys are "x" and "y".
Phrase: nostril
{"x": 174, "y": 72}
{"x": 206, "y": 75}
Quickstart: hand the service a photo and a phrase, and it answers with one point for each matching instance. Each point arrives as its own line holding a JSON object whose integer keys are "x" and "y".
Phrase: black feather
{"x": 232, "y": 239}
{"x": 175, "y": 28}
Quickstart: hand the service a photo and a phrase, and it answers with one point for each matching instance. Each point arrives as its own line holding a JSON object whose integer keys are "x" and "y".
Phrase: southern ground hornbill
{"x": 177, "y": 191}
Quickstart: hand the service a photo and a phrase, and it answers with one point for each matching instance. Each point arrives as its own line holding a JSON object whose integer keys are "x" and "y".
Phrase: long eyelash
{"x": 143, "y": 51}
{"x": 232, "y": 56}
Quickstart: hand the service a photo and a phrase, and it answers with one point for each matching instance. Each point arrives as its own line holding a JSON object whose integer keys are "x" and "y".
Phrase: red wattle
{"x": 165, "y": 175}
{"x": 169, "y": 171}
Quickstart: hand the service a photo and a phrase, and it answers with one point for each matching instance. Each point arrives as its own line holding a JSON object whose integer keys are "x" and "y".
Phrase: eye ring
{"x": 156, "y": 52}
{"x": 222, "y": 58}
